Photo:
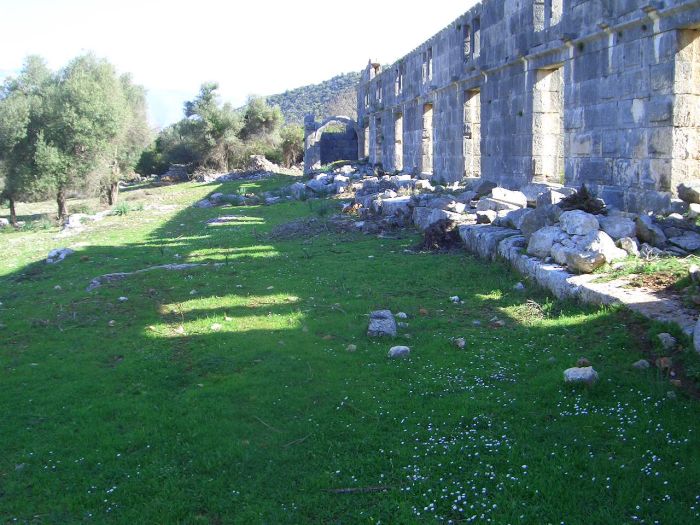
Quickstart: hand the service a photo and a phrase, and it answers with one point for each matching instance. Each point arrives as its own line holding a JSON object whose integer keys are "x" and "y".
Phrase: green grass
{"x": 140, "y": 412}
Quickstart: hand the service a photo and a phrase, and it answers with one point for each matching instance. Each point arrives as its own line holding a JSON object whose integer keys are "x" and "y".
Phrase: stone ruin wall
{"x": 600, "y": 92}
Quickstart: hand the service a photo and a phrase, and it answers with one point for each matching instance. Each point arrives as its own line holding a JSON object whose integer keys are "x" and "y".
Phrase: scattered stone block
{"x": 688, "y": 241}
{"x": 577, "y": 222}
{"x": 399, "y": 352}
{"x": 649, "y": 232}
{"x": 629, "y": 245}
{"x": 538, "y": 219}
{"x": 586, "y": 375}
{"x": 584, "y": 262}
{"x": 541, "y": 242}
{"x": 642, "y": 364}
{"x": 515, "y": 198}
{"x": 381, "y": 324}
{"x": 618, "y": 227}
{"x": 694, "y": 211}
{"x": 668, "y": 342}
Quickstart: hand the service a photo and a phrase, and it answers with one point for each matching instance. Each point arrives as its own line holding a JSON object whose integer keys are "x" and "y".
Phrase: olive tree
{"x": 84, "y": 115}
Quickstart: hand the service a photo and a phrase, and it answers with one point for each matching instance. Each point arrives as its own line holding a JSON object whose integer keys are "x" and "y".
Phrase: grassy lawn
{"x": 144, "y": 411}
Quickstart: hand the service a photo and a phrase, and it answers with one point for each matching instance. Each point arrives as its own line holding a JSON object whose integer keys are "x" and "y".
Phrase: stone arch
{"x": 314, "y": 132}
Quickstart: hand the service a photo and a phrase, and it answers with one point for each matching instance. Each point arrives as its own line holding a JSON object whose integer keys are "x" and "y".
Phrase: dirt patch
{"x": 311, "y": 227}
{"x": 657, "y": 282}
{"x": 639, "y": 331}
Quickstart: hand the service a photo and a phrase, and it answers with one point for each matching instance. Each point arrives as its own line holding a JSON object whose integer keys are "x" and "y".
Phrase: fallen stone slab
{"x": 396, "y": 206}
{"x": 516, "y": 198}
{"x": 688, "y": 241}
{"x": 120, "y": 276}
{"x": 56, "y": 256}
{"x": 224, "y": 219}
{"x": 381, "y": 324}
{"x": 484, "y": 240}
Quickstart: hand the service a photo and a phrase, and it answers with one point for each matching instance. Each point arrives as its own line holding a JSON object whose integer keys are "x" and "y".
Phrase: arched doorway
{"x": 336, "y": 138}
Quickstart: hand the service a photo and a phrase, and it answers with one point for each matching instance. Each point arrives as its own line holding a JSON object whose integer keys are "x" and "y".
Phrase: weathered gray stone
{"x": 483, "y": 240}
{"x": 396, "y": 206}
{"x": 320, "y": 186}
{"x": 561, "y": 249}
{"x": 4, "y": 223}
{"x": 204, "y": 203}
{"x": 696, "y": 337}
{"x": 298, "y": 190}
{"x": 629, "y": 245}
{"x": 489, "y": 203}
{"x": 694, "y": 211}
{"x": 484, "y": 188}
{"x": 466, "y": 197}
{"x": 381, "y": 324}
{"x": 539, "y": 218}
{"x": 541, "y": 242}
{"x": 577, "y": 222}
{"x": 618, "y": 227}
{"x": 668, "y": 342}
{"x": 515, "y": 198}
{"x": 399, "y": 352}
{"x": 57, "y": 255}
{"x": 649, "y": 232}
{"x": 642, "y": 364}
{"x": 688, "y": 241}
{"x": 584, "y": 262}
{"x": 600, "y": 242}
{"x": 586, "y": 375}
{"x": 689, "y": 191}
{"x": 486, "y": 217}
{"x": 549, "y": 197}
{"x": 513, "y": 219}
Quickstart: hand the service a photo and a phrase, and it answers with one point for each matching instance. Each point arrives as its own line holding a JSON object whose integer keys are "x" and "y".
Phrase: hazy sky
{"x": 255, "y": 47}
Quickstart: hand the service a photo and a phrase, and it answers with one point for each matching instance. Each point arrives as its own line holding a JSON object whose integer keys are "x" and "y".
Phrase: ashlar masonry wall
{"x": 605, "y": 93}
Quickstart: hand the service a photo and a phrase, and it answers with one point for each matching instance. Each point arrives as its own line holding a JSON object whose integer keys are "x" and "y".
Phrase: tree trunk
{"x": 113, "y": 193}
{"x": 13, "y": 212}
{"x": 61, "y": 201}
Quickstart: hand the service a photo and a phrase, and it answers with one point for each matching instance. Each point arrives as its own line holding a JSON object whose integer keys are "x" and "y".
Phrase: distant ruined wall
{"x": 600, "y": 92}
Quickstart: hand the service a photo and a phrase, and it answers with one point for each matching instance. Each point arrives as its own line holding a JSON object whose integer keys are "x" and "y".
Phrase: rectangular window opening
{"x": 548, "y": 126}
{"x": 472, "y": 133}
{"x": 467, "y": 41}
{"x": 398, "y": 142}
{"x": 427, "y": 141}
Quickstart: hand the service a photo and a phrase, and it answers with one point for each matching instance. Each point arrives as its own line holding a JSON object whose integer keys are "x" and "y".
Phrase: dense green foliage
{"x": 336, "y": 96}
{"x": 227, "y": 394}
{"x": 216, "y": 137}
{"x": 81, "y": 128}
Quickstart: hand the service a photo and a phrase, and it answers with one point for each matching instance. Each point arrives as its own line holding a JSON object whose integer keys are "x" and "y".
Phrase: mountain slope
{"x": 336, "y": 96}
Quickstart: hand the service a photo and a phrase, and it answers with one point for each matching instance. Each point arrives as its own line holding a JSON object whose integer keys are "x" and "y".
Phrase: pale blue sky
{"x": 256, "y": 47}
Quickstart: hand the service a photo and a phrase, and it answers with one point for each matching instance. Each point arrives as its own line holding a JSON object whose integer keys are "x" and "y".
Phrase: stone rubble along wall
{"x": 629, "y": 72}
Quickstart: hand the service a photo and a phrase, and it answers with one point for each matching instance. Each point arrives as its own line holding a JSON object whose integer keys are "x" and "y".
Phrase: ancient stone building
{"x": 601, "y": 92}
